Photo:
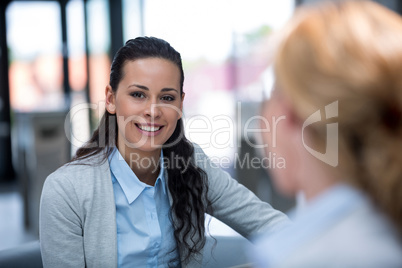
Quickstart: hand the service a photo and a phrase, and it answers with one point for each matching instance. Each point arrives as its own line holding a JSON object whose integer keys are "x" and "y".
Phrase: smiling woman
{"x": 136, "y": 194}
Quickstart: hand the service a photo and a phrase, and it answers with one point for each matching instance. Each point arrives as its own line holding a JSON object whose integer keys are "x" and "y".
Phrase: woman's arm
{"x": 237, "y": 206}
{"x": 61, "y": 232}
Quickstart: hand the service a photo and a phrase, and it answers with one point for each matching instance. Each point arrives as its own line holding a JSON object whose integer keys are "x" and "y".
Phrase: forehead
{"x": 151, "y": 70}
{"x": 151, "y": 63}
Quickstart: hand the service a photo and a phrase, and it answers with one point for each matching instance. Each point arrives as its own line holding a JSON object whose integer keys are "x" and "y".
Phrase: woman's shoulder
{"x": 197, "y": 150}
{"x": 364, "y": 237}
{"x": 79, "y": 187}
{"x": 81, "y": 171}
{"x": 201, "y": 159}
{"x": 341, "y": 229}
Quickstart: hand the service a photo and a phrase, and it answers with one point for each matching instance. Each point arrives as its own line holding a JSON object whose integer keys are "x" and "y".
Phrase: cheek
{"x": 284, "y": 181}
{"x": 126, "y": 108}
{"x": 266, "y": 139}
{"x": 265, "y": 127}
{"x": 287, "y": 179}
{"x": 279, "y": 149}
{"x": 171, "y": 115}
{"x": 272, "y": 125}
{"x": 280, "y": 174}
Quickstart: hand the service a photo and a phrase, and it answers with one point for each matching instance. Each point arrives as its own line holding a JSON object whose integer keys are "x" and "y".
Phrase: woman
{"x": 339, "y": 85}
{"x": 136, "y": 194}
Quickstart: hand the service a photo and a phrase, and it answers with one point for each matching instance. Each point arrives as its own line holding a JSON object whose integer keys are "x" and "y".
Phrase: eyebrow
{"x": 165, "y": 89}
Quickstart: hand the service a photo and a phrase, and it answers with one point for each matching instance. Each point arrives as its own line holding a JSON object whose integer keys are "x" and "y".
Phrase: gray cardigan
{"x": 78, "y": 215}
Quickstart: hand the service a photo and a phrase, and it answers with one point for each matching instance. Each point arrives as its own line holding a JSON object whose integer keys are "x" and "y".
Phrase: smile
{"x": 149, "y": 128}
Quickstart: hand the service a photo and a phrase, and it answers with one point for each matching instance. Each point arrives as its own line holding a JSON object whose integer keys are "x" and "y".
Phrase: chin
{"x": 142, "y": 145}
{"x": 149, "y": 147}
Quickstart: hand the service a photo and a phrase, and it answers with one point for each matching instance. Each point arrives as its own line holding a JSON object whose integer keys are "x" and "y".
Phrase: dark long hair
{"x": 187, "y": 184}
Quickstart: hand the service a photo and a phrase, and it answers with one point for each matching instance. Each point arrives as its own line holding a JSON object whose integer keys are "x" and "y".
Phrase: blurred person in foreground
{"x": 338, "y": 74}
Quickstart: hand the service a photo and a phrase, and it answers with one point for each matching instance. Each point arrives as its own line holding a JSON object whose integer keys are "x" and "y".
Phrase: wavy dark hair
{"x": 187, "y": 184}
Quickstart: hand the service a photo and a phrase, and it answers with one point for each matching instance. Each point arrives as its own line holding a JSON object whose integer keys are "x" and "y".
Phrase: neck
{"x": 314, "y": 190}
{"x": 145, "y": 164}
{"x": 317, "y": 179}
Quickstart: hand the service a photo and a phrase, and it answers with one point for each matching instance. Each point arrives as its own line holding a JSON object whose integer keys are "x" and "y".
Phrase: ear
{"x": 110, "y": 100}
{"x": 181, "y": 104}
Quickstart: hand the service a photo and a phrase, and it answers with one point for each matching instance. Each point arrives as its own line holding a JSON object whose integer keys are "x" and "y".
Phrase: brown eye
{"x": 168, "y": 98}
{"x": 137, "y": 95}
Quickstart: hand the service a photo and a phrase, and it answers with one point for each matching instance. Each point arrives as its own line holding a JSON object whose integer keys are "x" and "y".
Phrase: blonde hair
{"x": 351, "y": 52}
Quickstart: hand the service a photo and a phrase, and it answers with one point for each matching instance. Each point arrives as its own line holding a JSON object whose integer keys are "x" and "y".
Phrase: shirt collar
{"x": 129, "y": 182}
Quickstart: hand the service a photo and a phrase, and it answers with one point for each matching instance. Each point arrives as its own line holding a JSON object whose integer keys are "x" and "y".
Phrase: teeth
{"x": 149, "y": 128}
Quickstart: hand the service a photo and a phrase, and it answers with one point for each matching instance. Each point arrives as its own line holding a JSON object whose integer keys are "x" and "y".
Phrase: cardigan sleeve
{"x": 61, "y": 232}
{"x": 235, "y": 205}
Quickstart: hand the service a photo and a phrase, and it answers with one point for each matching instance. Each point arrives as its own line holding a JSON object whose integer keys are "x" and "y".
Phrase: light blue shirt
{"x": 144, "y": 230}
{"x": 309, "y": 223}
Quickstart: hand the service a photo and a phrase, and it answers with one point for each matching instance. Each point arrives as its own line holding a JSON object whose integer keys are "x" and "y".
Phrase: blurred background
{"x": 54, "y": 65}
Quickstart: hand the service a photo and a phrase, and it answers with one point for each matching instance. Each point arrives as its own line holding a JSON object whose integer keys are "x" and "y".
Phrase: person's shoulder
{"x": 199, "y": 154}
{"x": 80, "y": 183}
{"x": 371, "y": 234}
{"x": 364, "y": 237}
{"x": 80, "y": 171}
{"x": 197, "y": 148}
{"x": 359, "y": 237}
{"x": 201, "y": 159}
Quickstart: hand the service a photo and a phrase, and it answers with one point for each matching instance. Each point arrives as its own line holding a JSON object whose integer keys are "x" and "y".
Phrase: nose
{"x": 152, "y": 110}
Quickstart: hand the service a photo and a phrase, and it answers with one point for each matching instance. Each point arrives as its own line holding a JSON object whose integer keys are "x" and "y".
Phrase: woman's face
{"x": 281, "y": 143}
{"x": 147, "y": 103}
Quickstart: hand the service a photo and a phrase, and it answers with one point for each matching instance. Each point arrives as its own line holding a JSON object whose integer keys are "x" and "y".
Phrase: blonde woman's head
{"x": 350, "y": 53}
